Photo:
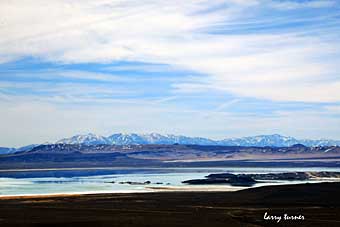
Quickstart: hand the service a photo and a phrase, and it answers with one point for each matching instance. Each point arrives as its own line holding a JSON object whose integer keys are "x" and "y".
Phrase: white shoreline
{"x": 147, "y": 190}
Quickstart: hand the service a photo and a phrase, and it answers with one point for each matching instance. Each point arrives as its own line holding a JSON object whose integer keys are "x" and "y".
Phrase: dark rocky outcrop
{"x": 281, "y": 176}
{"x": 300, "y": 176}
{"x": 135, "y": 183}
{"x": 206, "y": 181}
{"x": 226, "y": 178}
{"x": 251, "y": 179}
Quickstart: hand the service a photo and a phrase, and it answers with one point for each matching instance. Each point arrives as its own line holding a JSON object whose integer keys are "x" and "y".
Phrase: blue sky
{"x": 217, "y": 69}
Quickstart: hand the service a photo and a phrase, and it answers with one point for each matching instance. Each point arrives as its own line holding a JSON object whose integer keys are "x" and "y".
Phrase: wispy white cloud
{"x": 289, "y": 5}
{"x": 244, "y": 49}
{"x": 333, "y": 109}
{"x": 142, "y": 68}
{"x": 226, "y": 105}
{"x": 285, "y": 67}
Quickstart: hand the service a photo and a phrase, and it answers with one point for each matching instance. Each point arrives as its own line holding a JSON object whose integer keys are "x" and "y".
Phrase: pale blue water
{"x": 76, "y": 181}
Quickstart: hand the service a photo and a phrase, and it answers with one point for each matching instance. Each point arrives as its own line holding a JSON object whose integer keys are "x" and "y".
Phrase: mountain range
{"x": 274, "y": 140}
{"x": 10, "y": 150}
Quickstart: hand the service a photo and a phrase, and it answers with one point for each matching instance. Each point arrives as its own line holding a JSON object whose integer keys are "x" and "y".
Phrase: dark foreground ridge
{"x": 319, "y": 204}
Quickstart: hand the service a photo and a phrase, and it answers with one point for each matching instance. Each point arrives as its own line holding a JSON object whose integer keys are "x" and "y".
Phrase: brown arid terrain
{"x": 79, "y": 155}
{"x": 310, "y": 204}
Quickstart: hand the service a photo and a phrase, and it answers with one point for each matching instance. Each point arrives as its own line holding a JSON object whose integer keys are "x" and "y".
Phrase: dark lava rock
{"x": 281, "y": 176}
{"x": 275, "y": 176}
{"x": 225, "y": 178}
{"x": 241, "y": 180}
{"x": 324, "y": 174}
{"x": 135, "y": 183}
{"x": 221, "y": 175}
{"x": 205, "y": 181}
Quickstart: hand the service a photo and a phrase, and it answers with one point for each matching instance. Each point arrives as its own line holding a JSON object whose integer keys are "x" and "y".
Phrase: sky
{"x": 209, "y": 68}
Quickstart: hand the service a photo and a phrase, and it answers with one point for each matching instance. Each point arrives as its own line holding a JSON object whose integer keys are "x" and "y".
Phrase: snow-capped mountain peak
{"x": 274, "y": 140}
{"x": 87, "y": 139}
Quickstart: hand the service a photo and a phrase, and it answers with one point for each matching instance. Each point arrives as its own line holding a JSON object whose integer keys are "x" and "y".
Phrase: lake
{"x": 107, "y": 180}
